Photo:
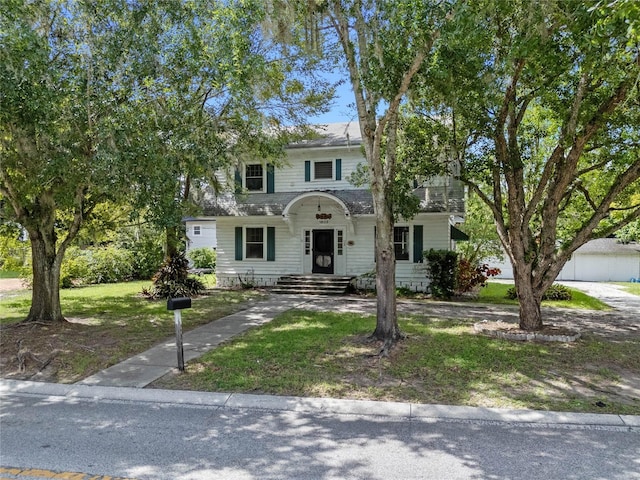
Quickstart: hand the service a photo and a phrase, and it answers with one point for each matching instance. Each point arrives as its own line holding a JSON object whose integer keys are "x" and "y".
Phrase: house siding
{"x": 613, "y": 263}
{"x": 291, "y": 178}
{"x": 259, "y": 272}
{"x": 207, "y": 237}
{"x": 300, "y": 203}
{"x": 357, "y": 257}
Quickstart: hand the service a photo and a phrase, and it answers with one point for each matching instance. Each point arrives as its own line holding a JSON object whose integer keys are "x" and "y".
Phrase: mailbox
{"x": 178, "y": 303}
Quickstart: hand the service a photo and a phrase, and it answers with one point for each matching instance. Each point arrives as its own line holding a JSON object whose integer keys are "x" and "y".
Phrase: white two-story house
{"x": 307, "y": 218}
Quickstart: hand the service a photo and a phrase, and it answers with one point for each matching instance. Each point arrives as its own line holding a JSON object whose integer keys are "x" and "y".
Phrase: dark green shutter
{"x": 270, "y": 178}
{"x": 307, "y": 171}
{"x": 238, "y": 181}
{"x": 338, "y": 169}
{"x": 238, "y": 243}
{"x": 271, "y": 244}
{"x": 417, "y": 244}
{"x": 375, "y": 241}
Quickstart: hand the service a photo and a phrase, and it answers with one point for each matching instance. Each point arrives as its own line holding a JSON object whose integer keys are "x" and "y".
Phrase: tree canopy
{"x": 542, "y": 104}
{"x": 116, "y": 99}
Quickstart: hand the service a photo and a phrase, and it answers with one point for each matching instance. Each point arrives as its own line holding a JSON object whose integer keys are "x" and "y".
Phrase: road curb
{"x": 310, "y": 405}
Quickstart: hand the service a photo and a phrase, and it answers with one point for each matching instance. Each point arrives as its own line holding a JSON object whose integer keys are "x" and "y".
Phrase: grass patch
{"x": 107, "y": 324}
{"x": 496, "y": 293}
{"x": 9, "y": 274}
{"x": 630, "y": 287}
{"x": 327, "y": 355}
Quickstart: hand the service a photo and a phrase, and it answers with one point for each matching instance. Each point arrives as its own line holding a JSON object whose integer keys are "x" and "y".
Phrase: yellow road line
{"x": 39, "y": 473}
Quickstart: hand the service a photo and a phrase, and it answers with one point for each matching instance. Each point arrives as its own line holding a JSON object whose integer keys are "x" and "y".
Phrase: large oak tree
{"x": 136, "y": 100}
{"x": 541, "y": 101}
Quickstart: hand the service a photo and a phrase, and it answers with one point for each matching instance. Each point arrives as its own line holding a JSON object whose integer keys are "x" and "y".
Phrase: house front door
{"x": 322, "y": 251}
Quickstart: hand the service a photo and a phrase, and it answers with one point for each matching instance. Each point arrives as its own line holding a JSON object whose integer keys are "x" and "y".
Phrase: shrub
{"x": 14, "y": 253}
{"x": 203, "y": 257}
{"x": 109, "y": 265}
{"x": 470, "y": 276}
{"x": 554, "y": 292}
{"x": 172, "y": 280}
{"x": 96, "y": 265}
{"x": 75, "y": 267}
{"x": 147, "y": 258}
{"x": 557, "y": 292}
{"x": 441, "y": 271}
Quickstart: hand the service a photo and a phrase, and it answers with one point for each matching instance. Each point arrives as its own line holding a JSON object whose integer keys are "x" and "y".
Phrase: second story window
{"x": 254, "y": 178}
{"x": 196, "y": 230}
{"x": 323, "y": 170}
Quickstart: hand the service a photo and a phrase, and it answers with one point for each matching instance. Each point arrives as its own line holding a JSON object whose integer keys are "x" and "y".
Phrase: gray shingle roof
{"x": 359, "y": 202}
{"x": 333, "y": 135}
{"x": 608, "y": 245}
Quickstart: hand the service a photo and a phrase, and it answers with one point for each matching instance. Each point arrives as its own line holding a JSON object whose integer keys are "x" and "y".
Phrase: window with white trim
{"x": 323, "y": 170}
{"x": 401, "y": 242}
{"x": 254, "y": 177}
{"x": 254, "y": 243}
{"x": 196, "y": 230}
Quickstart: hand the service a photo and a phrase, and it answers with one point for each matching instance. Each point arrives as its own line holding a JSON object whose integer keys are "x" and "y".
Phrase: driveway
{"x": 612, "y": 295}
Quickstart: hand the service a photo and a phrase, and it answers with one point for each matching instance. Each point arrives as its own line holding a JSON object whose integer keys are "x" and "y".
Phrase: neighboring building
{"x": 201, "y": 232}
{"x": 600, "y": 260}
{"x": 306, "y": 218}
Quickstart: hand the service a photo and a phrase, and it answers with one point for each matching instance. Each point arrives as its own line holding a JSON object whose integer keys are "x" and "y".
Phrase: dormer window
{"x": 254, "y": 177}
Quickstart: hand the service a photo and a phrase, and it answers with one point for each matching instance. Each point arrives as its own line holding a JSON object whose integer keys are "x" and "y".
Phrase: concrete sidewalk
{"x": 146, "y": 367}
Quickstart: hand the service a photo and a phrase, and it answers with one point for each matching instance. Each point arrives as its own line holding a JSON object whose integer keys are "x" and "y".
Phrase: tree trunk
{"x": 387, "y": 328}
{"x": 529, "y": 300}
{"x": 45, "y": 296}
{"x": 172, "y": 240}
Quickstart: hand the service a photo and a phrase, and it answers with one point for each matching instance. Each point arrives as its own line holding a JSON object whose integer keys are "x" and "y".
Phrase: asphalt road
{"x": 147, "y": 439}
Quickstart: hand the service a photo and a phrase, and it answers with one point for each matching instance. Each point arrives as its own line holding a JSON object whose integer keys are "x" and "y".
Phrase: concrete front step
{"x": 308, "y": 291}
{"x": 313, "y": 284}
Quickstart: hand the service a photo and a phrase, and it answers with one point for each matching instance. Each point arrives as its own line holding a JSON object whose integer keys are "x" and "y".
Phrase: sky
{"x": 342, "y": 110}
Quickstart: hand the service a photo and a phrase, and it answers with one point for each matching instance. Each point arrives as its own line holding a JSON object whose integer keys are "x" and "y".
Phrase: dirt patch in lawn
{"x": 63, "y": 352}
{"x": 11, "y": 284}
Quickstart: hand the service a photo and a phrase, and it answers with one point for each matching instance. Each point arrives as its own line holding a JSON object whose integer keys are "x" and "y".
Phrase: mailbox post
{"x": 177, "y": 304}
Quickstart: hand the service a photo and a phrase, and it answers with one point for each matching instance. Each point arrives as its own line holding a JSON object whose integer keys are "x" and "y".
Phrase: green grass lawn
{"x": 107, "y": 324}
{"x": 9, "y": 274}
{"x": 630, "y": 287}
{"x": 326, "y": 355}
{"x": 496, "y": 293}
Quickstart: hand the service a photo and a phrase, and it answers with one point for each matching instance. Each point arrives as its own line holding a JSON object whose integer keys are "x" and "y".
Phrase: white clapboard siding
{"x": 260, "y": 272}
{"x": 291, "y": 176}
{"x": 207, "y": 237}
